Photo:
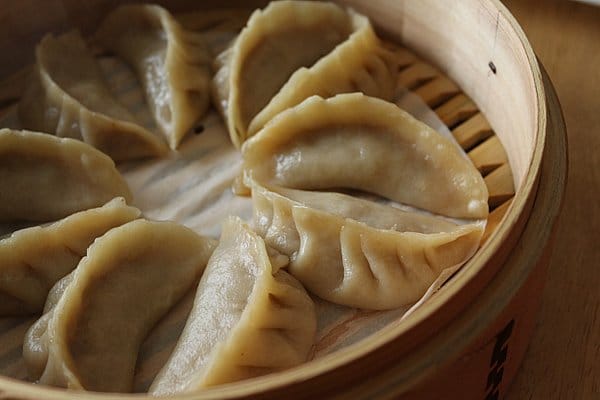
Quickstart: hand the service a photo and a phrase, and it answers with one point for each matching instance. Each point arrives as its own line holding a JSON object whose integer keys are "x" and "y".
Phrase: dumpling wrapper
{"x": 358, "y": 142}
{"x": 217, "y": 19}
{"x": 218, "y": 27}
{"x": 356, "y": 252}
{"x": 69, "y": 97}
{"x": 284, "y": 36}
{"x": 45, "y": 178}
{"x": 172, "y": 64}
{"x": 36, "y": 340}
{"x": 32, "y": 260}
{"x": 249, "y": 318}
{"x": 359, "y": 64}
{"x": 129, "y": 279}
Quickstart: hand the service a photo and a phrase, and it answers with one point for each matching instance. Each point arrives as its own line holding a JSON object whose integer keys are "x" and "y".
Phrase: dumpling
{"x": 172, "y": 64}
{"x": 359, "y": 142}
{"x": 129, "y": 279}
{"x": 276, "y": 41}
{"x": 32, "y": 260}
{"x": 359, "y": 64}
{"x": 249, "y": 318}
{"x": 45, "y": 178}
{"x": 68, "y": 96}
{"x": 356, "y": 252}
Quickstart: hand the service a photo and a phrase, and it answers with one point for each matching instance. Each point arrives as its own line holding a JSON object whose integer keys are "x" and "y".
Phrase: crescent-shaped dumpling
{"x": 359, "y": 142}
{"x": 45, "y": 178}
{"x": 129, "y": 279}
{"x": 276, "y": 41}
{"x": 359, "y": 64}
{"x": 32, "y": 260}
{"x": 249, "y": 318}
{"x": 356, "y": 252}
{"x": 68, "y": 96}
{"x": 172, "y": 64}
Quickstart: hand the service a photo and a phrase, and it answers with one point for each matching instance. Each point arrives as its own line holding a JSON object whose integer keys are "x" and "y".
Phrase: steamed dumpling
{"x": 129, "y": 279}
{"x": 45, "y": 178}
{"x": 276, "y": 41}
{"x": 359, "y": 64}
{"x": 32, "y": 260}
{"x": 249, "y": 318}
{"x": 356, "y": 252}
{"x": 358, "y": 142}
{"x": 68, "y": 96}
{"x": 172, "y": 64}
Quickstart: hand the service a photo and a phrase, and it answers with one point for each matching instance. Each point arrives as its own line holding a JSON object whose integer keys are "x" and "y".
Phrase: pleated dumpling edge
{"x": 264, "y": 323}
{"x": 356, "y": 252}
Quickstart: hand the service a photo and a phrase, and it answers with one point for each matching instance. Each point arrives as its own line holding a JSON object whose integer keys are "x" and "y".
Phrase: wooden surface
{"x": 563, "y": 361}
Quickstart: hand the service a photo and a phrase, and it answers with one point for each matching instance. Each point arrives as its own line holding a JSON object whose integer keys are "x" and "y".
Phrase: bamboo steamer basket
{"x": 476, "y": 69}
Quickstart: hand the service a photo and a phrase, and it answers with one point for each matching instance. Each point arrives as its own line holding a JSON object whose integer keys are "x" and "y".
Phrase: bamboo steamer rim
{"x": 521, "y": 205}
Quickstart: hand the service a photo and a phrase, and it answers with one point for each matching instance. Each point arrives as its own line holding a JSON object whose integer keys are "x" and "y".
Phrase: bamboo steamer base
{"x": 462, "y": 349}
